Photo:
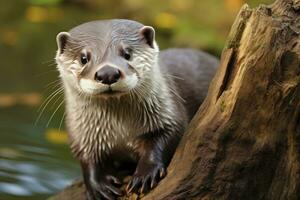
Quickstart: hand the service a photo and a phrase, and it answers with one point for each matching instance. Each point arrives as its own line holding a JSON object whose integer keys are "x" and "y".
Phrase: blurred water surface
{"x": 35, "y": 161}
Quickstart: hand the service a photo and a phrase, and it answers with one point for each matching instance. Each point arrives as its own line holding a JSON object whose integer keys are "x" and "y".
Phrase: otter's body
{"x": 127, "y": 106}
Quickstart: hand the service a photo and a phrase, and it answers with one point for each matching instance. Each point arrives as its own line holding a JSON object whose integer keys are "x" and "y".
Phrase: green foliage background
{"x": 28, "y": 29}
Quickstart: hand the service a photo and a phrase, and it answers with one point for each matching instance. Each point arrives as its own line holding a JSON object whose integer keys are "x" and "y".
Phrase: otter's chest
{"x": 96, "y": 130}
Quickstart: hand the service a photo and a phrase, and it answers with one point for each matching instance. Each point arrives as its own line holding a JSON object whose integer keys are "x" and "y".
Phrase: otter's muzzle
{"x": 108, "y": 75}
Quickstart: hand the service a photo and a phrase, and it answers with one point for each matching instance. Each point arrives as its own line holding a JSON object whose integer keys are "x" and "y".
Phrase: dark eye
{"x": 84, "y": 58}
{"x": 127, "y": 53}
{"x": 127, "y": 56}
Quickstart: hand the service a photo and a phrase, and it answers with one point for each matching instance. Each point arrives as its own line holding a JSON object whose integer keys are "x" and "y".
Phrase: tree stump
{"x": 244, "y": 142}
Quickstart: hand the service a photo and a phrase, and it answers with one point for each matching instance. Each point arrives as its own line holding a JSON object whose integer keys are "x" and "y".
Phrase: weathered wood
{"x": 244, "y": 142}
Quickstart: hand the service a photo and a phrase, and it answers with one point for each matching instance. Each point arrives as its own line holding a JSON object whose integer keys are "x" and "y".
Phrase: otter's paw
{"x": 106, "y": 188}
{"x": 146, "y": 177}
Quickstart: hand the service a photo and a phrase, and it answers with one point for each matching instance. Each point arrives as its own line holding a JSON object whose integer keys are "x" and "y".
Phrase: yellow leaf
{"x": 165, "y": 20}
{"x": 43, "y": 14}
{"x": 56, "y": 136}
{"x": 234, "y": 5}
{"x": 36, "y": 14}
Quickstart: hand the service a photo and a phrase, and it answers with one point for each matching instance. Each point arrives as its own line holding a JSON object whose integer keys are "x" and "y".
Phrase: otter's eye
{"x": 127, "y": 56}
{"x": 84, "y": 58}
{"x": 127, "y": 53}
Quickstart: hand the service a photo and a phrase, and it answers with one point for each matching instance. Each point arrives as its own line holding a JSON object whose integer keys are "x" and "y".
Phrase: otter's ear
{"x": 62, "y": 39}
{"x": 148, "y": 33}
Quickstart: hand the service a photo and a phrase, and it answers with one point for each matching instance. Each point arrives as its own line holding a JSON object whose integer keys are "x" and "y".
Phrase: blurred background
{"x": 35, "y": 160}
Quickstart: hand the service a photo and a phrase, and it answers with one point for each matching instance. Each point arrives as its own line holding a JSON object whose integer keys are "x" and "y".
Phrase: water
{"x": 35, "y": 161}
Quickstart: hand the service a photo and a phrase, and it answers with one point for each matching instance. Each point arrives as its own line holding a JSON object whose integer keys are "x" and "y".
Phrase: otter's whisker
{"x": 54, "y": 112}
{"x": 173, "y": 76}
{"x": 54, "y": 86}
{"x": 52, "y": 83}
{"x": 47, "y": 101}
{"x": 60, "y": 89}
{"x": 61, "y": 121}
{"x": 45, "y": 73}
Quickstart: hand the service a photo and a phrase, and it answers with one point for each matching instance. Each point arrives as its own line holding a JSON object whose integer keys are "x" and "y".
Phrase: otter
{"x": 125, "y": 100}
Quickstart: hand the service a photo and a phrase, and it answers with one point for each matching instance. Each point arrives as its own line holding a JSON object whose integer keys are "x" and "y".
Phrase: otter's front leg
{"x": 100, "y": 184}
{"x": 155, "y": 150}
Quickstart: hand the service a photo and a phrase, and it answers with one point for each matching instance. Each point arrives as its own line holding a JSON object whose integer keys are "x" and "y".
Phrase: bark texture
{"x": 244, "y": 142}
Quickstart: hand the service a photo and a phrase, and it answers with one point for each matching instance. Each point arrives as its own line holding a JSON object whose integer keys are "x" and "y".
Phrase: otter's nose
{"x": 108, "y": 75}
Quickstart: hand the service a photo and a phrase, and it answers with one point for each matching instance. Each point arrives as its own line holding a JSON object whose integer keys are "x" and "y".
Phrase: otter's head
{"x": 105, "y": 58}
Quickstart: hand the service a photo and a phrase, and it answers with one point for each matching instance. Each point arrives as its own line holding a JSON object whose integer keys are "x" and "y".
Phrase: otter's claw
{"x": 104, "y": 189}
{"x": 145, "y": 179}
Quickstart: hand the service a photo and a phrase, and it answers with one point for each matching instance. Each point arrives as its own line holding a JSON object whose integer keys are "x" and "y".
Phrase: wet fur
{"x": 170, "y": 98}
{"x": 145, "y": 124}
